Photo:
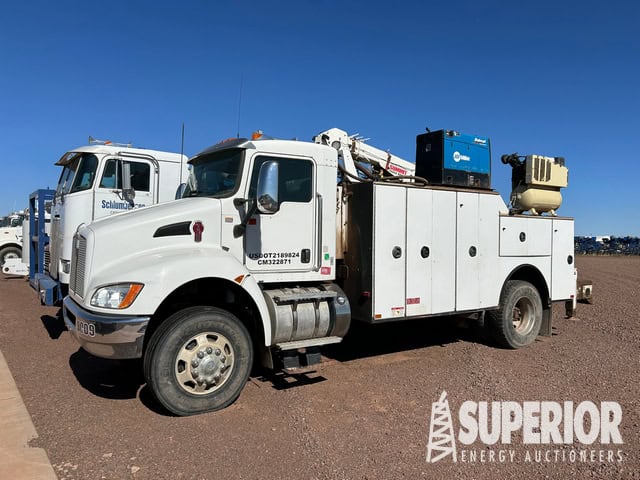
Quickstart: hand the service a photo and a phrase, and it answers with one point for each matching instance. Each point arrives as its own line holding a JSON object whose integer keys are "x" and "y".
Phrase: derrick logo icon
{"x": 442, "y": 441}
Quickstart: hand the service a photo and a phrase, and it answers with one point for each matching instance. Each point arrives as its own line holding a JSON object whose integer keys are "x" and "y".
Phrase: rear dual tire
{"x": 517, "y": 321}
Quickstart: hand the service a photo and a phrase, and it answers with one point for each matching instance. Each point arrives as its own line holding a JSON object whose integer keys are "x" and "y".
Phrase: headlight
{"x": 116, "y": 296}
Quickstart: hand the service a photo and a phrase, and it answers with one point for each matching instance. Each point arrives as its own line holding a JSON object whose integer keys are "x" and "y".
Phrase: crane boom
{"x": 353, "y": 149}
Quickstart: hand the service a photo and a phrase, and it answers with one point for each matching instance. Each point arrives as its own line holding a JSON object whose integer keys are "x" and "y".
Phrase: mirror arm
{"x": 238, "y": 230}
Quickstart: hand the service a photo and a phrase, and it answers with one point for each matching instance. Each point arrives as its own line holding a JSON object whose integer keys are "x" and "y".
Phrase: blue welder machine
{"x": 446, "y": 157}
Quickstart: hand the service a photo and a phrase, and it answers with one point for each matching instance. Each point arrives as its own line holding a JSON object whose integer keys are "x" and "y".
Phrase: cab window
{"x": 295, "y": 179}
{"x": 112, "y": 175}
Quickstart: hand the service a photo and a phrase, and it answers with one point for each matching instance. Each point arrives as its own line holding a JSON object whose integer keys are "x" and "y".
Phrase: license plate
{"x": 85, "y": 328}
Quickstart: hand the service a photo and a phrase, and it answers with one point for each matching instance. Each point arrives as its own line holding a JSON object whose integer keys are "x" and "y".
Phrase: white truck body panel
{"x": 563, "y": 272}
{"x": 389, "y": 272}
{"x": 512, "y": 229}
{"x": 490, "y": 206}
{"x": 467, "y": 271}
{"x": 443, "y": 254}
{"x": 419, "y": 235}
{"x": 464, "y": 232}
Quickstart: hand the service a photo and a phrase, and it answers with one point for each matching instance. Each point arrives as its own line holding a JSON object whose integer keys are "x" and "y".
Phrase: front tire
{"x": 517, "y": 321}
{"x": 198, "y": 360}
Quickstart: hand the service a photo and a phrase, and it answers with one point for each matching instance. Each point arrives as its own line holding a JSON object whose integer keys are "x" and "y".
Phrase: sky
{"x": 557, "y": 78}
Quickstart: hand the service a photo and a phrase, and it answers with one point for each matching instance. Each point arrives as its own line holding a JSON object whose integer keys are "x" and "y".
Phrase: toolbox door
{"x": 563, "y": 271}
{"x": 431, "y": 254}
{"x": 389, "y": 220}
{"x": 443, "y": 253}
{"x": 419, "y": 255}
{"x": 467, "y": 252}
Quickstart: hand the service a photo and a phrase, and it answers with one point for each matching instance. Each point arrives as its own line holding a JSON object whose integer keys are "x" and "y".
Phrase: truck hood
{"x": 141, "y": 224}
{"x": 121, "y": 239}
{"x": 10, "y": 233}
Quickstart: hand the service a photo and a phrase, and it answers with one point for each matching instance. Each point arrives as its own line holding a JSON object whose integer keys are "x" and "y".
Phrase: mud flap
{"x": 545, "y": 326}
{"x": 570, "y": 308}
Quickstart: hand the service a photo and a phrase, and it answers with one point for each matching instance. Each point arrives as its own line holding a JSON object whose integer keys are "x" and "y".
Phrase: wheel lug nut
{"x": 209, "y": 350}
{"x": 216, "y": 377}
{"x": 223, "y": 358}
{"x": 195, "y": 372}
{"x": 201, "y": 354}
{"x": 195, "y": 362}
{"x": 218, "y": 351}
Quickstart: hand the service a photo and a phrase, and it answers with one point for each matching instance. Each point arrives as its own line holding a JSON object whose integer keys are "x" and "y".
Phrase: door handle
{"x": 318, "y": 260}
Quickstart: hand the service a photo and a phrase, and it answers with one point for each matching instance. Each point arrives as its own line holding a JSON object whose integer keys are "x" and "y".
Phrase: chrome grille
{"x": 78, "y": 259}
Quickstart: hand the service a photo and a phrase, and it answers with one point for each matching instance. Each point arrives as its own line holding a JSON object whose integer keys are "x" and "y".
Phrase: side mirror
{"x": 267, "y": 200}
{"x": 180, "y": 191}
{"x": 128, "y": 193}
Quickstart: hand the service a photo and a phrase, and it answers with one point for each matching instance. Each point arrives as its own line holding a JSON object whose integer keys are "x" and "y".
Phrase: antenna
{"x": 240, "y": 104}
{"x": 181, "y": 153}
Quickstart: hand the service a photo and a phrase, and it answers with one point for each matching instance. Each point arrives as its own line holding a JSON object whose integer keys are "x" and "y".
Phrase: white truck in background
{"x": 98, "y": 180}
{"x": 11, "y": 237}
{"x": 265, "y": 256}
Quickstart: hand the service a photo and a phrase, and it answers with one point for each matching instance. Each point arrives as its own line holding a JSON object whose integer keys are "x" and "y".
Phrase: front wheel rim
{"x": 204, "y": 363}
{"x": 10, "y": 256}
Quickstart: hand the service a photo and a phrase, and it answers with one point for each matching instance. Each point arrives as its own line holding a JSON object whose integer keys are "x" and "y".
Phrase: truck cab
{"x": 262, "y": 241}
{"x": 98, "y": 180}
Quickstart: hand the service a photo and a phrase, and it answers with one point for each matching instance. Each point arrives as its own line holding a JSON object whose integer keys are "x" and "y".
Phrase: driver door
{"x": 284, "y": 241}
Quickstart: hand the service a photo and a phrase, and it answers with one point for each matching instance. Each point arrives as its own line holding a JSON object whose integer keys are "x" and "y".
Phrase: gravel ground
{"x": 364, "y": 414}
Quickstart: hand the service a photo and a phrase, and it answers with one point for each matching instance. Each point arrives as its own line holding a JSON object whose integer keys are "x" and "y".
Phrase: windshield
{"x": 78, "y": 174}
{"x": 16, "y": 221}
{"x": 215, "y": 175}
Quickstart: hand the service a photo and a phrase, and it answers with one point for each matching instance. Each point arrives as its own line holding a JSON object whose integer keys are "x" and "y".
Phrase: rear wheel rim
{"x": 523, "y": 316}
{"x": 204, "y": 363}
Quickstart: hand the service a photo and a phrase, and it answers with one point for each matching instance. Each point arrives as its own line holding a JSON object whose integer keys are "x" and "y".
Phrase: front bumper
{"x": 107, "y": 336}
{"x": 50, "y": 290}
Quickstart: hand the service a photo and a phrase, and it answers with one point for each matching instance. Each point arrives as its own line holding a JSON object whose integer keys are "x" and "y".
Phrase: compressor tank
{"x": 537, "y": 200}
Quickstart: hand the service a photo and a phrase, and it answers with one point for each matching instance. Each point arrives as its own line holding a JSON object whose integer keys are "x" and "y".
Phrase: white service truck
{"x": 265, "y": 257}
{"x": 98, "y": 180}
